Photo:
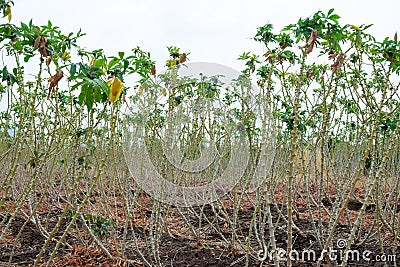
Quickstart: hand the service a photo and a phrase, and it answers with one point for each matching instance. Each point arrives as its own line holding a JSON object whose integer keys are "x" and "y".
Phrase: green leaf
{"x": 367, "y": 26}
{"x": 98, "y": 96}
{"x": 26, "y": 58}
{"x": 126, "y": 64}
{"x": 102, "y": 85}
{"x": 86, "y": 96}
{"x": 24, "y": 27}
{"x": 77, "y": 85}
{"x": 334, "y": 17}
{"x": 112, "y": 62}
{"x": 72, "y": 70}
{"x": 99, "y": 62}
{"x": 121, "y": 55}
{"x": 5, "y": 73}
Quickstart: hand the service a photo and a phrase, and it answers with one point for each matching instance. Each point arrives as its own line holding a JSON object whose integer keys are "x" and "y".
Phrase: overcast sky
{"x": 212, "y": 30}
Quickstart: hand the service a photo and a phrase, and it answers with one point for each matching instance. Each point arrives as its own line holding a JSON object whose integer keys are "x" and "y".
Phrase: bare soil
{"x": 176, "y": 248}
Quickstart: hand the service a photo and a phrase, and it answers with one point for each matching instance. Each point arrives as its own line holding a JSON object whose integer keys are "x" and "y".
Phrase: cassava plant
{"x": 331, "y": 90}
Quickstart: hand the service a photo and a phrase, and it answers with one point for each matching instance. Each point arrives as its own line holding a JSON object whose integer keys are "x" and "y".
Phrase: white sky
{"x": 213, "y": 31}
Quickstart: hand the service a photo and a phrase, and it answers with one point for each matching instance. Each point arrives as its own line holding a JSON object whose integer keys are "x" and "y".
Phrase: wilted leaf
{"x": 339, "y": 62}
{"x": 332, "y": 55}
{"x": 182, "y": 58}
{"x": 311, "y": 42}
{"x": 268, "y": 57}
{"x": 37, "y": 42}
{"x": 54, "y": 81}
{"x": 153, "y": 70}
{"x": 40, "y": 43}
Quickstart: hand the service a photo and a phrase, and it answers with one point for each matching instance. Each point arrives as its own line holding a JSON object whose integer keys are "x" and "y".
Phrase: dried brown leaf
{"x": 182, "y": 58}
{"x": 309, "y": 74}
{"x": 153, "y": 70}
{"x": 311, "y": 42}
{"x": 43, "y": 51}
{"x": 37, "y": 42}
{"x": 339, "y": 62}
{"x": 268, "y": 57}
{"x": 332, "y": 55}
{"x": 54, "y": 81}
{"x": 41, "y": 44}
{"x": 48, "y": 61}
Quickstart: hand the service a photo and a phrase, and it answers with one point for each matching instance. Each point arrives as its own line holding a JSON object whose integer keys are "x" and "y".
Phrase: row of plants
{"x": 332, "y": 90}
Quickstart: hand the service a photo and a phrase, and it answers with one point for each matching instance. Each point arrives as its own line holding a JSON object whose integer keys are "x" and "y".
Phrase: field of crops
{"x": 118, "y": 160}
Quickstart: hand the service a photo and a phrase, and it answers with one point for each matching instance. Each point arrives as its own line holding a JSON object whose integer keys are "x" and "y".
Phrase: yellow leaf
{"x": 8, "y": 13}
{"x": 355, "y": 27}
{"x": 171, "y": 62}
{"x": 65, "y": 56}
{"x": 164, "y": 92}
{"x": 141, "y": 89}
{"x": 116, "y": 87}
